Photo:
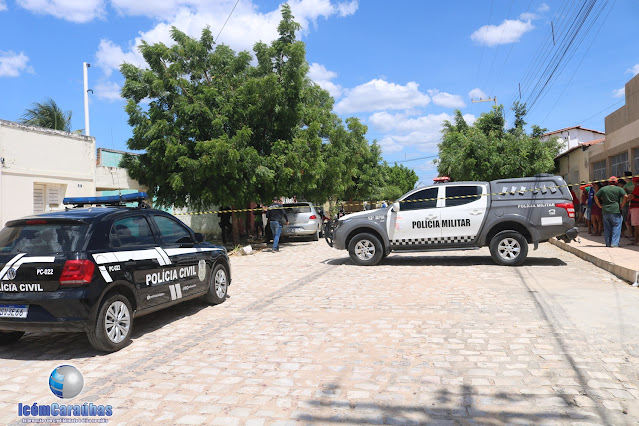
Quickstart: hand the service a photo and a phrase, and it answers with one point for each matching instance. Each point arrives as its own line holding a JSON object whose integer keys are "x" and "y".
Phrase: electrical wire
{"x": 582, "y": 58}
{"x": 481, "y": 57}
{"x": 227, "y": 19}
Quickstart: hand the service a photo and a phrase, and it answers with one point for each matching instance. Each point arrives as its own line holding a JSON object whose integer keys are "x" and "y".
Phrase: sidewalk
{"x": 621, "y": 261}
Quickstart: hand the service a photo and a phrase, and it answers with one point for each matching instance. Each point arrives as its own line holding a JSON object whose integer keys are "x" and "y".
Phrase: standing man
{"x": 633, "y": 215}
{"x": 611, "y": 199}
{"x": 628, "y": 187}
{"x": 225, "y": 222}
{"x": 277, "y": 217}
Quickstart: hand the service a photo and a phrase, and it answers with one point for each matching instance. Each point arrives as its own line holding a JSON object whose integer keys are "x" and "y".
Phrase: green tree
{"x": 47, "y": 114}
{"x": 219, "y": 129}
{"x": 398, "y": 180}
{"x": 485, "y": 151}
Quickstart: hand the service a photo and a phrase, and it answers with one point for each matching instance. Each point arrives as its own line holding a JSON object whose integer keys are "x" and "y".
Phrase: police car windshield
{"x": 41, "y": 239}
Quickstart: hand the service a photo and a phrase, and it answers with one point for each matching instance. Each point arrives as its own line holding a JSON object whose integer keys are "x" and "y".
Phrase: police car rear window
{"x": 297, "y": 208}
{"x": 41, "y": 239}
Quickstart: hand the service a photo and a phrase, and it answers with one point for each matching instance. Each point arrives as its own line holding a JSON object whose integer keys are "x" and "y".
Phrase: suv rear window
{"x": 297, "y": 208}
{"x": 41, "y": 239}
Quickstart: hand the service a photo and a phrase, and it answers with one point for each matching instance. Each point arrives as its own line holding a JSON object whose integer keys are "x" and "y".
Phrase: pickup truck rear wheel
{"x": 509, "y": 248}
{"x": 365, "y": 249}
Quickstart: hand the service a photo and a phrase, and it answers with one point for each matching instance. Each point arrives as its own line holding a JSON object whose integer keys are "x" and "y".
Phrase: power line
{"x": 415, "y": 159}
{"x": 227, "y": 19}
{"x": 490, "y": 70}
{"x": 608, "y": 107}
{"x": 481, "y": 57}
{"x": 582, "y": 59}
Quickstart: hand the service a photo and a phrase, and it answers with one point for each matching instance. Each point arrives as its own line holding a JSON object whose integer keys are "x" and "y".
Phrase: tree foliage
{"x": 398, "y": 180}
{"x": 487, "y": 151}
{"x": 218, "y": 128}
{"x": 47, "y": 114}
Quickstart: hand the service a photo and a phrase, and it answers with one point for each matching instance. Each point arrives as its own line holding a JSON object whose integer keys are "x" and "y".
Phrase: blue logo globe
{"x": 66, "y": 382}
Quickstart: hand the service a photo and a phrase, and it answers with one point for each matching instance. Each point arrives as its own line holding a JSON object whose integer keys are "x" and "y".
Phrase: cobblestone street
{"x": 307, "y": 337}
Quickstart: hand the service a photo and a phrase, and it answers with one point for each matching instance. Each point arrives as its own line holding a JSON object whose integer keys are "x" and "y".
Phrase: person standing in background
{"x": 628, "y": 187}
{"x": 611, "y": 199}
{"x": 277, "y": 218}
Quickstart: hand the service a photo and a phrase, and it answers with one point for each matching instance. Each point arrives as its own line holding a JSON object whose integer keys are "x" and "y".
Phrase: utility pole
{"x": 86, "y": 98}
{"x": 486, "y": 100}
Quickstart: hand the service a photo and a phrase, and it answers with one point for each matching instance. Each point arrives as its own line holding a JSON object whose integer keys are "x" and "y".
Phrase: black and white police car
{"x": 95, "y": 269}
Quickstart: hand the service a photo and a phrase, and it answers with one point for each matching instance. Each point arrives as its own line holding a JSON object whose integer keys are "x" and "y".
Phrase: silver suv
{"x": 303, "y": 221}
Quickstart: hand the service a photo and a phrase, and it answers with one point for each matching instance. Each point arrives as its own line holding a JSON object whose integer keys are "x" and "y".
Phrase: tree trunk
{"x": 236, "y": 227}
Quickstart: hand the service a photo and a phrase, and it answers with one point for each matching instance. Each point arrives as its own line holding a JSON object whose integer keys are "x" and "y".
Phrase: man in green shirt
{"x": 611, "y": 199}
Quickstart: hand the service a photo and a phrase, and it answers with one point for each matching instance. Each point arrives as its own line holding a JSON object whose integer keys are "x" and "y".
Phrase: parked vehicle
{"x": 303, "y": 221}
{"x": 96, "y": 269}
{"x": 505, "y": 215}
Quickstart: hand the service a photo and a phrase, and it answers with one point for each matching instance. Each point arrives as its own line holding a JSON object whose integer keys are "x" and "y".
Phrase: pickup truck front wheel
{"x": 365, "y": 249}
{"x": 509, "y": 248}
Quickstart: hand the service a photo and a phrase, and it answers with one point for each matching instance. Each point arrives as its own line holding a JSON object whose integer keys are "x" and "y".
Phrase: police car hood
{"x": 365, "y": 213}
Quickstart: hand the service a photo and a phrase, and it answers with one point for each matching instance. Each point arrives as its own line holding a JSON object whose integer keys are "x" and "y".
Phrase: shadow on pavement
{"x": 53, "y": 346}
{"x": 400, "y": 260}
{"x": 462, "y": 405}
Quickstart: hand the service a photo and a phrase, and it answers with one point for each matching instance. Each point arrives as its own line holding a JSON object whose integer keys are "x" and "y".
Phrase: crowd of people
{"x": 611, "y": 208}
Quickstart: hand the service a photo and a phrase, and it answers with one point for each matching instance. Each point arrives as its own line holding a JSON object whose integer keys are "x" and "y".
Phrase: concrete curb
{"x": 622, "y": 272}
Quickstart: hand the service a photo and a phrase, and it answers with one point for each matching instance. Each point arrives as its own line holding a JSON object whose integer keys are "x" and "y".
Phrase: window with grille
{"x": 619, "y": 164}
{"x": 599, "y": 170}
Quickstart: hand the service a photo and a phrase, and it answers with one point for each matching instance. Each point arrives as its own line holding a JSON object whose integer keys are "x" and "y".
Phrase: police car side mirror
{"x": 395, "y": 207}
{"x": 199, "y": 238}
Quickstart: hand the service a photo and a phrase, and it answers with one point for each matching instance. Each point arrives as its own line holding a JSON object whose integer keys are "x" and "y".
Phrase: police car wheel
{"x": 365, "y": 249}
{"x": 218, "y": 285}
{"x": 509, "y": 248}
{"x": 8, "y": 337}
{"x": 113, "y": 325}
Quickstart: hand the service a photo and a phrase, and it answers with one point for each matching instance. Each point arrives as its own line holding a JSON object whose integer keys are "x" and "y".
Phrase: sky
{"x": 401, "y": 67}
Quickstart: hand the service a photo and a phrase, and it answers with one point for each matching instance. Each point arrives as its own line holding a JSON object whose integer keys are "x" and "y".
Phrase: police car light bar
{"x": 107, "y": 200}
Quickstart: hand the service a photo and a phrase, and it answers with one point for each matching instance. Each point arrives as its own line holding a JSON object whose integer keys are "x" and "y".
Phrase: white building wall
{"x": 32, "y": 158}
{"x": 573, "y": 137}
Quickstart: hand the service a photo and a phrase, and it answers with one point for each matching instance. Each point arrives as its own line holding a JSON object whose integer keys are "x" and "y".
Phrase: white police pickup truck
{"x": 505, "y": 214}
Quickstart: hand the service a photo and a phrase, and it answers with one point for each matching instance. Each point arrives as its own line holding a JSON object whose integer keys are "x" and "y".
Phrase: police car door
{"x": 463, "y": 212}
{"x": 185, "y": 275}
{"x": 133, "y": 255}
{"x": 417, "y": 222}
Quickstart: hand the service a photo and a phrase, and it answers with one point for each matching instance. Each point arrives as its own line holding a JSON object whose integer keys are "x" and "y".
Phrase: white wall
{"x": 573, "y": 137}
{"x": 33, "y": 155}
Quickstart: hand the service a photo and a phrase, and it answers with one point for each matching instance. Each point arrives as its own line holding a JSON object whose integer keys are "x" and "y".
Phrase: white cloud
{"x": 12, "y": 64}
{"x": 509, "y": 31}
{"x": 634, "y": 70}
{"x": 320, "y": 75}
{"x": 618, "y": 93}
{"x": 246, "y": 26}
{"x": 70, "y": 10}
{"x": 446, "y": 100}
{"x": 3, "y": 5}
{"x": 477, "y": 93}
{"x": 346, "y": 9}
{"x": 422, "y": 132}
{"x": 108, "y": 90}
{"x": 110, "y": 57}
{"x": 543, "y": 8}
{"x": 379, "y": 95}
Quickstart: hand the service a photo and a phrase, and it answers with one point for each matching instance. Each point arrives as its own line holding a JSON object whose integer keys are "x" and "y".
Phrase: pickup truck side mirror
{"x": 395, "y": 207}
{"x": 199, "y": 238}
